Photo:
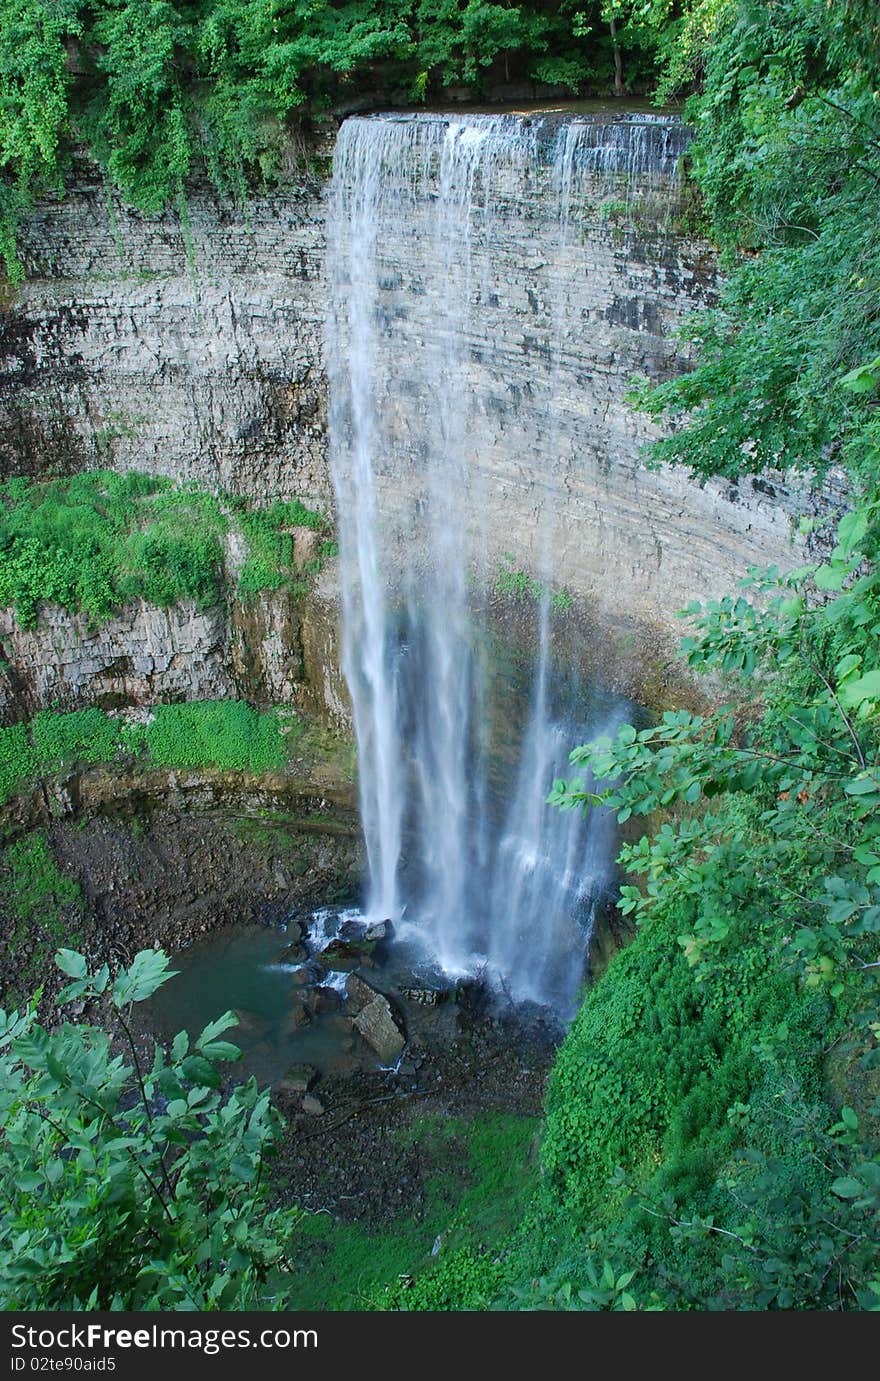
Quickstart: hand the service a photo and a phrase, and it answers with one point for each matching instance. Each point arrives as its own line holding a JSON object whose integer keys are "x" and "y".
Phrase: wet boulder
{"x": 297, "y": 1017}
{"x": 356, "y": 932}
{"x": 425, "y": 997}
{"x": 251, "y": 1023}
{"x": 379, "y": 1027}
{"x": 341, "y": 956}
{"x": 323, "y": 999}
{"x": 358, "y": 993}
{"x": 294, "y": 953}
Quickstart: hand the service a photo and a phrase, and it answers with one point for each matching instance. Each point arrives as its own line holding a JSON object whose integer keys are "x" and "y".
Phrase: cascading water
{"x": 462, "y": 850}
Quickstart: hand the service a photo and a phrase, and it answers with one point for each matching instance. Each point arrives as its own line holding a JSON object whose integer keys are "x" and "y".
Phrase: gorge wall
{"x": 196, "y": 352}
{"x": 272, "y": 649}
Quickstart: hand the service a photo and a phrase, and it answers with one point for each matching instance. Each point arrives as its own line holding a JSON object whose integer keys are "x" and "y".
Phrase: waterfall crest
{"x": 462, "y": 850}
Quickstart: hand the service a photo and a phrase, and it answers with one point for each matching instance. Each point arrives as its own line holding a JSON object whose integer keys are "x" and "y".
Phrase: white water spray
{"x": 420, "y": 213}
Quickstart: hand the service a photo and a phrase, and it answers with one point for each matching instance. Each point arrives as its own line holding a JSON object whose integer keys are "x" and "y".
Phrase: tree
{"x": 127, "y": 1187}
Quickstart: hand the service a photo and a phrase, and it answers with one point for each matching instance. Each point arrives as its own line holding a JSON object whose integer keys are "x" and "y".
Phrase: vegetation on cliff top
{"x": 157, "y": 91}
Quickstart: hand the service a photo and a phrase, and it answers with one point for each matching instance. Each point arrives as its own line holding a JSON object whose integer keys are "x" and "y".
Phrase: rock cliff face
{"x": 190, "y": 353}
{"x": 274, "y": 650}
{"x": 198, "y": 354}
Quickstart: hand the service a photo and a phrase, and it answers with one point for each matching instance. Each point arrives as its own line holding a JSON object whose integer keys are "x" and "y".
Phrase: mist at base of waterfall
{"x": 508, "y": 892}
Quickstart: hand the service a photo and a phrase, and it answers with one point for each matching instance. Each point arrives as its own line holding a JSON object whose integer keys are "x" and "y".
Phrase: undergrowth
{"x": 480, "y": 1175}
{"x": 95, "y": 541}
{"x": 39, "y": 907}
{"x": 225, "y": 734}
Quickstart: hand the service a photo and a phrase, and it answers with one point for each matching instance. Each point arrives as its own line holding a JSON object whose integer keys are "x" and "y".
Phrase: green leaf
{"x": 221, "y": 1050}
{"x": 847, "y": 1188}
{"x": 862, "y": 786}
{"x": 852, "y": 528}
{"x": 200, "y": 1071}
{"x": 216, "y": 1028}
{"x": 831, "y": 577}
{"x": 148, "y": 971}
{"x": 867, "y": 687}
{"x": 863, "y": 379}
{"x": 71, "y": 963}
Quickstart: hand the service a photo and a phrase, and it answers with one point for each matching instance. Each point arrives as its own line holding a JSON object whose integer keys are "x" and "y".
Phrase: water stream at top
{"x": 428, "y": 218}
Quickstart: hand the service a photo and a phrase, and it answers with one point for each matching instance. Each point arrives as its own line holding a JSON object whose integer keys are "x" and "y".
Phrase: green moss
{"x": 482, "y": 1174}
{"x": 654, "y": 1062}
{"x": 269, "y": 535}
{"x": 226, "y": 734}
{"x": 96, "y": 540}
{"x": 39, "y": 903}
{"x": 67, "y": 740}
{"x": 34, "y": 890}
{"x": 18, "y": 760}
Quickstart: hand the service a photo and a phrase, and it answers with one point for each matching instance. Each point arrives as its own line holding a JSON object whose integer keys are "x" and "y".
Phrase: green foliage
{"x": 156, "y": 90}
{"x": 605, "y": 1289}
{"x": 479, "y": 1176}
{"x": 519, "y": 585}
{"x": 787, "y": 160}
{"x": 40, "y": 906}
{"x": 228, "y": 734}
{"x": 466, "y": 1279}
{"x": 35, "y": 891}
{"x": 126, "y": 1187}
{"x": 34, "y": 88}
{"x": 99, "y": 539}
{"x": 694, "y": 1074}
{"x": 67, "y": 740}
{"x": 269, "y": 536}
{"x": 17, "y": 759}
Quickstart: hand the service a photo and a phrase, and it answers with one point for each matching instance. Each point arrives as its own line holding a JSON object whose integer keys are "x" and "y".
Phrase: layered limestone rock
{"x": 198, "y": 354}
{"x": 273, "y": 650}
{"x": 193, "y": 353}
{"x": 142, "y": 654}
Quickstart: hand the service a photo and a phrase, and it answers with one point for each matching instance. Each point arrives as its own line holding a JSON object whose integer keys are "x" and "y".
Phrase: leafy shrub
{"x": 100, "y": 539}
{"x": 126, "y": 1187}
{"x": 269, "y": 536}
{"x": 34, "y": 889}
{"x": 787, "y": 159}
{"x": 82, "y": 736}
{"x": 155, "y": 90}
{"x": 694, "y": 1077}
{"x": 228, "y": 734}
{"x": 466, "y": 1279}
{"x": 94, "y": 541}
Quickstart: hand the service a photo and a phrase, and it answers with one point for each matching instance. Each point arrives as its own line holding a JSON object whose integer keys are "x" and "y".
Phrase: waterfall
{"x": 430, "y": 225}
